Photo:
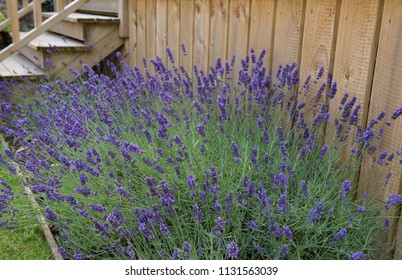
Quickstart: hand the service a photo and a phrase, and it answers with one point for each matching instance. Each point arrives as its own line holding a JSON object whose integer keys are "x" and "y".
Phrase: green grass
{"x": 27, "y": 242}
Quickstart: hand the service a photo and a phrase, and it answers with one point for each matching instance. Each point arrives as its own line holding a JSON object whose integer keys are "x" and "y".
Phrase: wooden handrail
{"x": 50, "y": 22}
{"x": 22, "y": 12}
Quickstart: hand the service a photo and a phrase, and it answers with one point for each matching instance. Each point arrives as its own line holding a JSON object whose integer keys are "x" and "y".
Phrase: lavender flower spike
{"x": 232, "y": 250}
{"x": 235, "y": 151}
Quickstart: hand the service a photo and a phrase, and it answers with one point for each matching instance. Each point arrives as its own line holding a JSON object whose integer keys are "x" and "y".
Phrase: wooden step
{"x": 48, "y": 44}
{"x": 79, "y": 25}
{"x": 18, "y": 66}
{"x": 86, "y": 18}
{"x": 49, "y": 40}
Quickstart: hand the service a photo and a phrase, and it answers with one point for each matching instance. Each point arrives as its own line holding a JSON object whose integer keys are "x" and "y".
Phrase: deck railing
{"x": 63, "y": 9}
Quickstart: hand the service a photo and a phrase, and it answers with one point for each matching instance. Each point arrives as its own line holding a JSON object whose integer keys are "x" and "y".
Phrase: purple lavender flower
{"x": 214, "y": 175}
{"x": 288, "y": 232}
{"x": 191, "y": 182}
{"x": 235, "y": 151}
{"x": 50, "y": 215}
{"x": 232, "y": 250}
{"x": 282, "y": 203}
{"x": 78, "y": 255}
{"x": 340, "y": 234}
{"x": 197, "y": 214}
{"x": 260, "y": 124}
{"x": 252, "y": 224}
{"x": 397, "y": 113}
{"x": 354, "y": 116}
{"x": 382, "y": 157}
{"x": 186, "y": 250}
{"x": 357, "y": 256}
{"x": 315, "y": 213}
{"x": 266, "y": 137}
{"x": 361, "y": 209}
{"x": 84, "y": 191}
{"x": 284, "y": 152}
{"x": 346, "y": 187}
{"x": 98, "y": 208}
{"x": 164, "y": 229}
{"x": 387, "y": 179}
{"x": 167, "y": 197}
{"x": 323, "y": 151}
{"x": 393, "y": 200}
{"x": 219, "y": 227}
{"x": 266, "y": 158}
{"x": 280, "y": 134}
{"x": 284, "y": 250}
{"x": 176, "y": 255}
{"x": 253, "y": 157}
{"x": 83, "y": 179}
{"x": 333, "y": 90}
{"x": 115, "y": 218}
{"x": 201, "y": 130}
{"x": 319, "y": 74}
{"x": 151, "y": 182}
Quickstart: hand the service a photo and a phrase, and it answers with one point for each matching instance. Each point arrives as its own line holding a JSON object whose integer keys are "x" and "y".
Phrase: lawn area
{"x": 26, "y": 242}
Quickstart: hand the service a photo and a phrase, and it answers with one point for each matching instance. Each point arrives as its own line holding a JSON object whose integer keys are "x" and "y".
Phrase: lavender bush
{"x": 160, "y": 165}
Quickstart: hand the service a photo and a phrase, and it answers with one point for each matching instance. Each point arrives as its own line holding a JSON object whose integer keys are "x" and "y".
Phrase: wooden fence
{"x": 359, "y": 41}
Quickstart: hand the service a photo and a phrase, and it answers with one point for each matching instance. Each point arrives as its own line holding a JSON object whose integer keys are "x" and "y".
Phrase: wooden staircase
{"x": 79, "y": 38}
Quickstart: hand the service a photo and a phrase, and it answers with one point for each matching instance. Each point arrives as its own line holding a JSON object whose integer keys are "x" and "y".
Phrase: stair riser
{"x": 96, "y": 33}
{"x": 73, "y": 30}
{"x": 110, "y": 43}
{"x": 79, "y": 30}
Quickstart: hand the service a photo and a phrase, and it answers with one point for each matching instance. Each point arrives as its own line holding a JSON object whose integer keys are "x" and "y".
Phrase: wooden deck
{"x": 18, "y": 66}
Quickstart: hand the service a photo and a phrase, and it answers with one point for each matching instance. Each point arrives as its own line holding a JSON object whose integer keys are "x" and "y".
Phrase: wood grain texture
{"x": 239, "y": 22}
{"x": 187, "y": 34}
{"x": 141, "y": 32}
{"x": 386, "y": 95}
{"x": 355, "y": 56}
{"x": 262, "y": 28}
{"x": 132, "y": 47}
{"x": 201, "y": 33}
{"x": 317, "y": 50}
{"x": 12, "y": 9}
{"x": 288, "y": 27}
{"x": 398, "y": 248}
{"x": 150, "y": 30}
{"x": 161, "y": 29}
{"x": 219, "y": 31}
{"x": 174, "y": 30}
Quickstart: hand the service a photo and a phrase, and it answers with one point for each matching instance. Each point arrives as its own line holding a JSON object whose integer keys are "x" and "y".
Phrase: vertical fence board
{"x": 261, "y": 27}
{"x": 317, "y": 49}
{"x": 386, "y": 95}
{"x": 398, "y": 249}
{"x": 132, "y": 31}
{"x": 239, "y": 21}
{"x": 141, "y": 33}
{"x": 288, "y": 25}
{"x": 201, "y": 33}
{"x": 151, "y": 36}
{"x": 219, "y": 27}
{"x": 161, "y": 29}
{"x": 174, "y": 29}
{"x": 187, "y": 33}
{"x": 354, "y": 58}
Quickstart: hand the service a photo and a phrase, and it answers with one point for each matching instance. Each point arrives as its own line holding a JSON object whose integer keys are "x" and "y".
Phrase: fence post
{"x": 60, "y": 4}
{"x": 123, "y": 16}
{"x": 13, "y": 16}
{"x": 37, "y": 11}
{"x": 25, "y": 3}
